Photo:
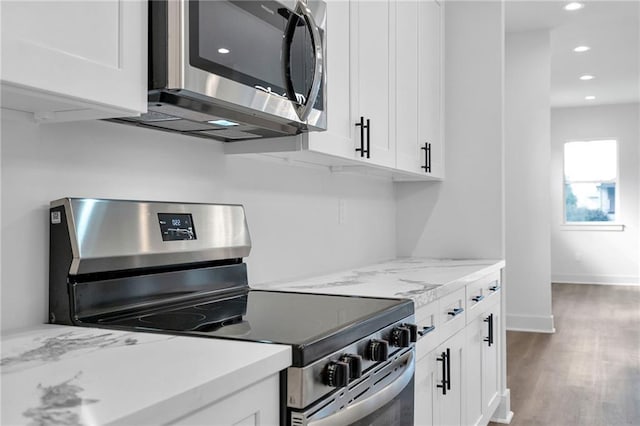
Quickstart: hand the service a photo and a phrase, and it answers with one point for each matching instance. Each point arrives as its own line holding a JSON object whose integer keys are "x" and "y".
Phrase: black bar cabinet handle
{"x": 489, "y": 338}
{"x": 426, "y": 157}
{"x": 494, "y": 288}
{"x": 443, "y": 385}
{"x": 361, "y": 150}
{"x": 368, "y": 138}
{"x": 455, "y": 312}
{"x": 448, "y": 369}
{"x": 491, "y": 330}
{"x": 363, "y": 126}
{"x": 427, "y": 330}
{"x": 477, "y": 298}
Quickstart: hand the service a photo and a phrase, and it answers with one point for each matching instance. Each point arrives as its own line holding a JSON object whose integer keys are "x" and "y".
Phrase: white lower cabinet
{"x": 458, "y": 370}
{"x": 491, "y": 364}
{"x": 439, "y": 386}
{"x": 426, "y": 377}
{"x": 475, "y": 333}
{"x": 255, "y": 405}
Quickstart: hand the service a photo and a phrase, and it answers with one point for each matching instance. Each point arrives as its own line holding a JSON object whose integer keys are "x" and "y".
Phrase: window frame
{"x": 615, "y": 225}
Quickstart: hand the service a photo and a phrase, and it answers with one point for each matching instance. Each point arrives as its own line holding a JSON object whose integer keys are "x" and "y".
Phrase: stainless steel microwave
{"x": 235, "y": 70}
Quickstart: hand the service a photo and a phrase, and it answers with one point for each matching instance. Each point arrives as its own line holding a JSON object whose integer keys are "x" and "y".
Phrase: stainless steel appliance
{"x": 236, "y": 69}
{"x": 178, "y": 268}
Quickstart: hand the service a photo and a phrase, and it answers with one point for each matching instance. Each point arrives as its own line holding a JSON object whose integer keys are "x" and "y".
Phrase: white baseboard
{"x": 595, "y": 279}
{"x": 503, "y": 413}
{"x": 531, "y": 323}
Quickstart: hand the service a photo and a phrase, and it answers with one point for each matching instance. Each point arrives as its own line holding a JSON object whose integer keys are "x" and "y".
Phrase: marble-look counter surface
{"x": 423, "y": 280}
{"x": 75, "y": 375}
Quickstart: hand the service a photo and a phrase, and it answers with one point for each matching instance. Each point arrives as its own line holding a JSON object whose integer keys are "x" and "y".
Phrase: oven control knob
{"x": 378, "y": 350}
{"x": 413, "y": 329}
{"x": 355, "y": 365}
{"x": 336, "y": 374}
{"x": 401, "y": 337}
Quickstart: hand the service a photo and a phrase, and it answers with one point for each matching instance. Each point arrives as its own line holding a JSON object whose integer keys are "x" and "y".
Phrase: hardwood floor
{"x": 588, "y": 372}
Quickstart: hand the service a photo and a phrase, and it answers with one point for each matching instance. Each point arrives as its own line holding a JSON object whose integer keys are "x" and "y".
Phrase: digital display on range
{"x": 176, "y": 226}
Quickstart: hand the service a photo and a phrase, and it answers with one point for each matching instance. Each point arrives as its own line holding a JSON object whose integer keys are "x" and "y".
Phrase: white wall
{"x": 527, "y": 158}
{"x": 606, "y": 257}
{"x": 292, "y": 212}
{"x": 462, "y": 217}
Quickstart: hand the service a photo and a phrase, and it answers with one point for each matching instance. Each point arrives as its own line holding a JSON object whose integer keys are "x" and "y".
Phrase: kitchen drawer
{"x": 451, "y": 316}
{"x": 427, "y": 321}
{"x": 478, "y": 293}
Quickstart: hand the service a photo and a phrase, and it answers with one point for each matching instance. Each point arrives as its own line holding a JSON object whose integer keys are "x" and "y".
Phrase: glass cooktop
{"x": 311, "y": 323}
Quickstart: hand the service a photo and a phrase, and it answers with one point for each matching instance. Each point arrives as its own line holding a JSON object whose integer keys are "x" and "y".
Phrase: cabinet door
{"x": 255, "y": 405}
{"x": 67, "y": 60}
{"x": 408, "y": 79}
{"x": 491, "y": 362}
{"x": 430, "y": 85}
{"x": 449, "y": 406}
{"x": 337, "y": 139}
{"x": 476, "y": 332}
{"x": 418, "y": 41}
{"x": 482, "y": 366}
{"x": 372, "y": 52}
{"x": 425, "y": 388}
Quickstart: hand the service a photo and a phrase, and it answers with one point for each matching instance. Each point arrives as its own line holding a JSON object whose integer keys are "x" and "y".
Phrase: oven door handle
{"x": 362, "y": 409}
{"x": 302, "y": 105}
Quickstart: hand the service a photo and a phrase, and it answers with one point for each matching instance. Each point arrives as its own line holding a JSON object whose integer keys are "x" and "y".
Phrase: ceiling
{"x": 612, "y": 30}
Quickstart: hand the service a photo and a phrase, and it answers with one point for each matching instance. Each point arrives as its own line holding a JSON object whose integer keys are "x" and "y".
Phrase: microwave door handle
{"x": 303, "y": 109}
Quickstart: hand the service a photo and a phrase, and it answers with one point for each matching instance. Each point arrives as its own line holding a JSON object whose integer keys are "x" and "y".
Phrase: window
{"x": 590, "y": 181}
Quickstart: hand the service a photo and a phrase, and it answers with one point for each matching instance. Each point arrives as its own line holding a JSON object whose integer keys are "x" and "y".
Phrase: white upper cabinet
{"x": 337, "y": 139}
{"x": 372, "y": 78}
{"x": 383, "y": 93}
{"x": 73, "y": 60}
{"x": 418, "y": 97}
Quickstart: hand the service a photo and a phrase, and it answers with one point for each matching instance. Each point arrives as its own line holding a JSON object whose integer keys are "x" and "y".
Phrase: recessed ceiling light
{"x": 223, "y": 50}
{"x": 573, "y": 6}
{"x": 590, "y": 97}
{"x": 586, "y": 77}
{"x": 581, "y": 49}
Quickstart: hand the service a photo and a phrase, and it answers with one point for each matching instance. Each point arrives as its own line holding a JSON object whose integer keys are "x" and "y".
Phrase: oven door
{"x": 382, "y": 397}
{"x": 267, "y": 56}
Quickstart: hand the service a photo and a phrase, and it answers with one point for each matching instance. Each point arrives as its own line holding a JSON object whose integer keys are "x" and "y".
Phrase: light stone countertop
{"x": 65, "y": 375}
{"x": 423, "y": 280}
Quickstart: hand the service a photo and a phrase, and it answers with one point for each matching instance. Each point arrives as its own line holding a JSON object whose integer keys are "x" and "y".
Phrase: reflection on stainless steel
{"x": 303, "y": 109}
{"x": 117, "y": 235}
{"x": 271, "y": 114}
{"x": 384, "y": 385}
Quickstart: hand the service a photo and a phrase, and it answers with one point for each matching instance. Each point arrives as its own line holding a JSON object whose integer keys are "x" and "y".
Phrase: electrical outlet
{"x": 342, "y": 212}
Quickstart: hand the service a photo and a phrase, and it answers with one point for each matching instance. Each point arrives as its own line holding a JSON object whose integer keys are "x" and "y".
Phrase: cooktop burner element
{"x": 178, "y": 268}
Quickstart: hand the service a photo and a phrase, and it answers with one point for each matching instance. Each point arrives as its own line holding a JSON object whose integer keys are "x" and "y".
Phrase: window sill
{"x": 617, "y": 227}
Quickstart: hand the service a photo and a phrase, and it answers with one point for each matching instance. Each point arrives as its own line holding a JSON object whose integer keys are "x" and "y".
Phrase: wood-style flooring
{"x": 588, "y": 372}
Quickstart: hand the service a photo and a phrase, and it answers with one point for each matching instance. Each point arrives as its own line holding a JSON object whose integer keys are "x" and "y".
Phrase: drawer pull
{"x": 427, "y": 330}
{"x": 494, "y": 288}
{"x": 455, "y": 312}
{"x": 477, "y": 298}
{"x": 445, "y": 358}
{"x": 489, "y": 338}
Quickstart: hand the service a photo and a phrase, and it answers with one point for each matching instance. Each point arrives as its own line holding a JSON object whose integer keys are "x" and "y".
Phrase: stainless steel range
{"x": 178, "y": 268}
